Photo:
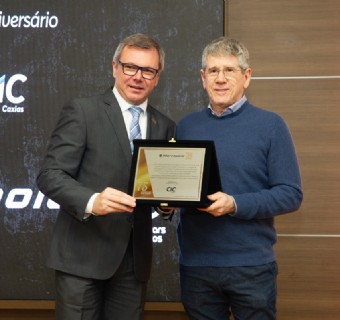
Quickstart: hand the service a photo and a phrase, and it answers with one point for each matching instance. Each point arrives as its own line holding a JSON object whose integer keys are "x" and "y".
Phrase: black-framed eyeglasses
{"x": 130, "y": 69}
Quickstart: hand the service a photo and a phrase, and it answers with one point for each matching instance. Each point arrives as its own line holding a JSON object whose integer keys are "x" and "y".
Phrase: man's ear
{"x": 247, "y": 76}
{"x": 203, "y": 78}
{"x": 114, "y": 69}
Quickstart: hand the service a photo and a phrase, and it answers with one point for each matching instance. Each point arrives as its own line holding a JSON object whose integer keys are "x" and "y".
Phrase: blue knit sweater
{"x": 258, "y": 167}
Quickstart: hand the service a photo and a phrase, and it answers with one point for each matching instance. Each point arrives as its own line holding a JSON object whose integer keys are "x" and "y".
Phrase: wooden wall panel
{"x": 308, "y": 282}
{"x": 294, "y": 53}
{"x": 288, "y": 38}
{"x": 311, "y": 109}
{"x": 44, "y": 309}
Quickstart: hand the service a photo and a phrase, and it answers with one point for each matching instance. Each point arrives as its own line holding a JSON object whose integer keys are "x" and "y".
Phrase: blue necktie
{"x": 135, "y": 132}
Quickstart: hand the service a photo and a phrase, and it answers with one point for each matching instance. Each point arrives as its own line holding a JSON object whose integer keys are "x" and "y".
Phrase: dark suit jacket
{"x": 89, "y": 150}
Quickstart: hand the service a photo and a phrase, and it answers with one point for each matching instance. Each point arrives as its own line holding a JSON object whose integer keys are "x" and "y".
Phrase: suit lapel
{"x": 115, "y": 116}
{"x": 152, "y": 131}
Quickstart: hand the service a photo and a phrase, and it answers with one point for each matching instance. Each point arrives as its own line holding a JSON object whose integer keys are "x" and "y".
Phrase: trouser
{"x": 213, "y": 293}
{"x": 119, "y": 298}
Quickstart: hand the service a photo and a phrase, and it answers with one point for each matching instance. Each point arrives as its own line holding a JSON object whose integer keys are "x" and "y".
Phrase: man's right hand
{"x": 111, "y": 200}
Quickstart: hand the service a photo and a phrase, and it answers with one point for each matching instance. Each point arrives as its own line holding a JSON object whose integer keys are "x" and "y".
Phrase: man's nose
{"x": 138, "y": 75}
{"x": 221, "y": 76}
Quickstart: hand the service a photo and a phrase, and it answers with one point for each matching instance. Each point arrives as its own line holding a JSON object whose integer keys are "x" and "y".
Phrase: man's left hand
{"x": 222, "y": 204}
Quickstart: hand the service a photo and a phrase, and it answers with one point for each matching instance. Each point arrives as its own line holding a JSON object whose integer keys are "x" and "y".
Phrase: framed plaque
{"x": 174, "y": 173}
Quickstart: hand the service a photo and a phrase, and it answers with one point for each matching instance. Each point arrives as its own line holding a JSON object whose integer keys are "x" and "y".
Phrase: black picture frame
{"x": 210, "y": 182}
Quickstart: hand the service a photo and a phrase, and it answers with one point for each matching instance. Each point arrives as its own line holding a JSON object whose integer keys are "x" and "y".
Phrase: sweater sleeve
{"x": 283, "y": 192}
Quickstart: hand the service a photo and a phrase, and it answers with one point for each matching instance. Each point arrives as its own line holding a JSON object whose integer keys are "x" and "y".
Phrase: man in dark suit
{"x": 102, "y": 242}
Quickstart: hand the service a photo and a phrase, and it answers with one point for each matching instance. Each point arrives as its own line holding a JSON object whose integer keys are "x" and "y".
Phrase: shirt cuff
{"x": 235, "y": 212}
{"x": 89, "y": 206}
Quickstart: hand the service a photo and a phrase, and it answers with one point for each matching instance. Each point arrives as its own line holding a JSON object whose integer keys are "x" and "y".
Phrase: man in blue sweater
{"x": 227, "y": 260}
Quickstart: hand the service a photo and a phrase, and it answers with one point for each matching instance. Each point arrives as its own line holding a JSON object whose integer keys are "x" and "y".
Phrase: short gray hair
{"x": 223, "y": 46}
{"x": 143, "y": 41}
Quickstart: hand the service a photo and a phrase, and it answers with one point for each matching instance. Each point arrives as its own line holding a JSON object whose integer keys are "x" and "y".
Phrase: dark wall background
{"x": 64, "y": 49}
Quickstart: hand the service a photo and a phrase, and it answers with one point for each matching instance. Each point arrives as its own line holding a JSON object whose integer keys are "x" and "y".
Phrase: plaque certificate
{"x": 173, "y": 173}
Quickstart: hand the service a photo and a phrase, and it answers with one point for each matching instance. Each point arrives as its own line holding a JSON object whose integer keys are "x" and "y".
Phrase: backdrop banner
{"x": 52, "y": 51}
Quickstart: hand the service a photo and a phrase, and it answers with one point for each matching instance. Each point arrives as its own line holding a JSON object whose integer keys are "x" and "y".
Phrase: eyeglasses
{"x": 130, "y": 69}
{"x": 228, "y": 72}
